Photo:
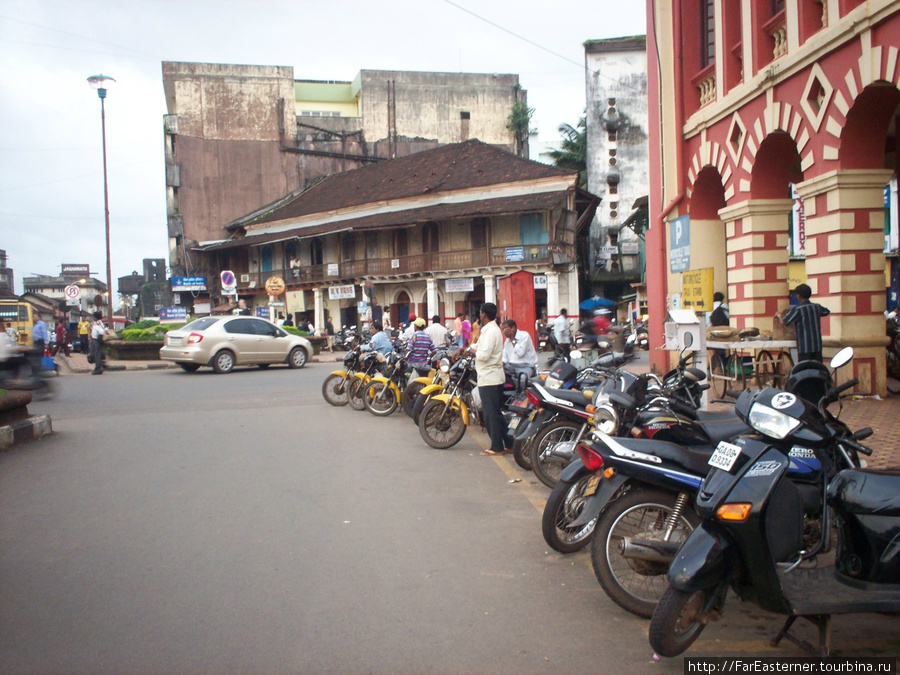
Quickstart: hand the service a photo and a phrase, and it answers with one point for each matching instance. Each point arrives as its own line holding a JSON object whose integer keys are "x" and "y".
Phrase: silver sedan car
{"x": 224, "y": 342}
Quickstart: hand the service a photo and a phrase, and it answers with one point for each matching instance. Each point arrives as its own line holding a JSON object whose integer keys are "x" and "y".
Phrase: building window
{"x": 316, "y": 254}
{"x": 430, "y": 238}
{"x": 708, "y": 33}
{"x": 401, "y": 247}
{"x": 265, "y": 259}
{"x": 478, "y": 233}
{"x": 348, "y": 247}
{"x": 371, "y": 244}
{"x": 532, "y": 230}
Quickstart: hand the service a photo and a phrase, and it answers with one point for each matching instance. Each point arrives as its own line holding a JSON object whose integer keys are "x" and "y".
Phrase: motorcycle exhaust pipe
{"x": 651, "y": 550}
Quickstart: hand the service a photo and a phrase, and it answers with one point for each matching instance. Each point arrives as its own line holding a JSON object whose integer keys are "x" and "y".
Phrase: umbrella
{"x": 591, "y": 304}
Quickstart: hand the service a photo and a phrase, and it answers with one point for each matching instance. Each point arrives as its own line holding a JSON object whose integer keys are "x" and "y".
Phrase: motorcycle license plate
{"x": 514, "y": 423}
{"x": 592, "y": 486}
{"x": 725, "y": 456}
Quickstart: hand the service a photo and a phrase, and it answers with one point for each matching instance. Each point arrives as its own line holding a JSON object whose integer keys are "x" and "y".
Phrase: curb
{"x": 36, "y": 426}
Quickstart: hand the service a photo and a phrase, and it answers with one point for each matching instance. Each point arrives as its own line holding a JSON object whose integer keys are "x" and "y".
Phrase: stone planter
{"x": 122, "y": 350}
{"x": 14, "y": 406}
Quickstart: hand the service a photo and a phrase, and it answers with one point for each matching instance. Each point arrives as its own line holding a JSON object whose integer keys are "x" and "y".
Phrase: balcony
{"x": 411, "y": 265}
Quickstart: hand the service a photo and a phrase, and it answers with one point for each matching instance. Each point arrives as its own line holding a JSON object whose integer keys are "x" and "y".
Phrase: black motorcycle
{"x": 752, "y": 537}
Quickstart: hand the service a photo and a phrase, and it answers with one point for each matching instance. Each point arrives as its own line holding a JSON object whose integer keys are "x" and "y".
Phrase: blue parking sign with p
{"x": 680, "y": 244}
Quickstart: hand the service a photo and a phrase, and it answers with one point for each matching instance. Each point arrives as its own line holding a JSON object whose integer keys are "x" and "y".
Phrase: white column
{"x": 490, "y": 288}
{"x": 431, "y": 297}
{"x": 552, "y": 295}
{"x": 319, "y": 312}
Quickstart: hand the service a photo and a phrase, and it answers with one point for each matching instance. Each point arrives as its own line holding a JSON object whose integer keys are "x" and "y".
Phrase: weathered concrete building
{"x": 617, "y": 158}
{"x": 238, "y": 137}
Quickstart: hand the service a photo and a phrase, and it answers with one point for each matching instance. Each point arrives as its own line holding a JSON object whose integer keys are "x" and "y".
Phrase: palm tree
{"x": 572, "y": 154}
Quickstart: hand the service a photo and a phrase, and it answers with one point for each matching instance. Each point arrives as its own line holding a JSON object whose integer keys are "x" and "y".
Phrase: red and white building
{"x": 751, "y": 102}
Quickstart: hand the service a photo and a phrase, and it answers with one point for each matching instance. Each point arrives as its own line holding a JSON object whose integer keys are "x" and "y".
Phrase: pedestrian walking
{"x": 329, "y": 335}
{"x": 806, "y": 316}
{"x": 62, "y": 339}
{"x": 98, "y": 332}
{"x": 40, "y": 338}
{"x": 562, "y": 331}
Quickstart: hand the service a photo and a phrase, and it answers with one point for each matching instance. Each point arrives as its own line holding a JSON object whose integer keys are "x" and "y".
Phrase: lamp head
{"x": 101, "y": 83}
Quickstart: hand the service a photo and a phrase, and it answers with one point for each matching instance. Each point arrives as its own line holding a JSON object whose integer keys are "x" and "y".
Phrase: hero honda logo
{"x": 783, "y": 400}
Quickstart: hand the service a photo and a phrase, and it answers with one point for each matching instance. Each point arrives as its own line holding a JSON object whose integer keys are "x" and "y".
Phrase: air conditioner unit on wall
{"x": 245, "y": 278}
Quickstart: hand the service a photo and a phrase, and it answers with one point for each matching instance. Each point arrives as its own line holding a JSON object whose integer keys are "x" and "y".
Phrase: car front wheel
{"x": 223, "y": 362}
{"x": 297, "y": 357}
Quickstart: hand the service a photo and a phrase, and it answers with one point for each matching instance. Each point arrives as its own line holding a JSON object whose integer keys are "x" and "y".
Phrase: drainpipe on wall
{"x": 657, "y": 289}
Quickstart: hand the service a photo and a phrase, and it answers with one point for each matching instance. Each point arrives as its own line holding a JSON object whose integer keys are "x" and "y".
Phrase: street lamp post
{"x": 101, "y": 83}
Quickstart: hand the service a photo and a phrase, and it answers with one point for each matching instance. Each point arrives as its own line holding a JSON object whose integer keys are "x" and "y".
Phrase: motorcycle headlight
{"x": 553, "y": 382}
{"x": 771, "y": 422}
{"x": 606, "y": 419}
{"x": 445, "y": 365}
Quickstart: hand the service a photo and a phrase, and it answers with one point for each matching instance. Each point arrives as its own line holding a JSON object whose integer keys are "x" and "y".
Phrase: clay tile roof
{"x": 471, "y": 164}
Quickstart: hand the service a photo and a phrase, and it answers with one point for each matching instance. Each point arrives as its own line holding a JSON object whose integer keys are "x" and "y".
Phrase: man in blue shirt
{"x": 380, "y": 342}
{"x": 806, "y": 316}
{"x": 40, "y": 337}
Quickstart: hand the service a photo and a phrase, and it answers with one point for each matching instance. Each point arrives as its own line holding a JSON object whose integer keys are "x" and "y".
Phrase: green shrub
{"x": 146, "y": 324}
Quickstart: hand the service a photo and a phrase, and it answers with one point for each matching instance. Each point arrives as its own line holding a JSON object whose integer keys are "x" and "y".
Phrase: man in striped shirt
{"x": 806, "y": 316}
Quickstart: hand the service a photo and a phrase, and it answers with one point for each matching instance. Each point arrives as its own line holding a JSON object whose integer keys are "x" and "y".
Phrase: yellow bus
{"x": 18, "y": 316}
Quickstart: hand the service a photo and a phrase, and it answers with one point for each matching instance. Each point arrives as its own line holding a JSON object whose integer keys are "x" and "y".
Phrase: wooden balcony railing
{"x": 498, "y": 256}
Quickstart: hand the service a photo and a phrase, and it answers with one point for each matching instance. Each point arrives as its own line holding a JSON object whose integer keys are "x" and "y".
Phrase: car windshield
{"x": 201, "y": 324}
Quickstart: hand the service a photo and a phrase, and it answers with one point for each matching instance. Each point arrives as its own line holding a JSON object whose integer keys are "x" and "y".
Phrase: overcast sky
{"x": 51, "y": 173}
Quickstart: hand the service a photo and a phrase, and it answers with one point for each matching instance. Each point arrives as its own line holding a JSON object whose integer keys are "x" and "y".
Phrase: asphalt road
{"x": 188, "y": 523}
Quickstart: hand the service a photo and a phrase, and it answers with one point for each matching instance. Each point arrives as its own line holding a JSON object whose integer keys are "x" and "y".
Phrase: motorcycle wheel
{"x": 636, "y": 585}
{"x": 440, "y": 425}
{"x": 562, "y": 508}
{"x": 677, "y": 621}
{"x": 334, "y": 390}
{"x": 409, "y": 396}
{"x": 418, "y": 407}
{"x": 522, "y": 454}
{"x": 355, "y": 394}
{"x": 379, "y": 402}
{"x": 545, "y": 465}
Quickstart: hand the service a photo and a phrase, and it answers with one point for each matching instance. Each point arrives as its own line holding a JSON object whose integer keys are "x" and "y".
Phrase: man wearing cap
{"x": 420, "y": 345}
{"x": 410, "y": 329}
{"x": 806, "y": 316}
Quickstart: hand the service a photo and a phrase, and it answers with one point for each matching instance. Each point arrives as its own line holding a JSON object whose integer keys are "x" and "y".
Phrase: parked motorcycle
{"x": 335, "y": 386}
{"x": 436, "y": 375}
{"x": 370, "y": 363}
{"x": 382, "y": 395}
{"x": 751, "y": 538}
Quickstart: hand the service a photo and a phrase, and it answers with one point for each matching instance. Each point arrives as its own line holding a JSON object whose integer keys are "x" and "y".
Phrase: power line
{"x": 75, "y": 35}
{"x": 582, "y": 66}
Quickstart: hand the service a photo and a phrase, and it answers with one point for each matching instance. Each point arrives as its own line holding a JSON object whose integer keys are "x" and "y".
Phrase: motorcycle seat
{"x": 694, "y": 459}
{"x": 873, "y": 492}
{"x": 722, "y": 431}
{"x": 578, "y": 396}
{"x": 720, "y": 416}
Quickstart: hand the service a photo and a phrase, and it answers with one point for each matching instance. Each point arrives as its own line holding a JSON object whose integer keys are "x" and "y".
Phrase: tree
{"x": 519, "y": 123}
{"x": 572, "y": 154}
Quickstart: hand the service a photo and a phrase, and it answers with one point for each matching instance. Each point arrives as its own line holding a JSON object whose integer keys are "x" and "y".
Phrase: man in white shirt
{"x": 561, "y": 330}
{"x": 489, "y": 367}
{"x": 518, "y": 350}
{"x": 439, "y": 335}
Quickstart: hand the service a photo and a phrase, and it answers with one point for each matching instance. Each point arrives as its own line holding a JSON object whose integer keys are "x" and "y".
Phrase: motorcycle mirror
{"x": 688, "y": 339}
{"x": 842, "y": 358}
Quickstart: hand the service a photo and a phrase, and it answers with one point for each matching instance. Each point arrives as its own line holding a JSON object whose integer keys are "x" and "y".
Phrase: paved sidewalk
{"x": 882, "y": 415}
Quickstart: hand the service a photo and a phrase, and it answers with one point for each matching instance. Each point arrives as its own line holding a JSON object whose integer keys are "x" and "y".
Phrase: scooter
{"x": 751, "y": 538}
